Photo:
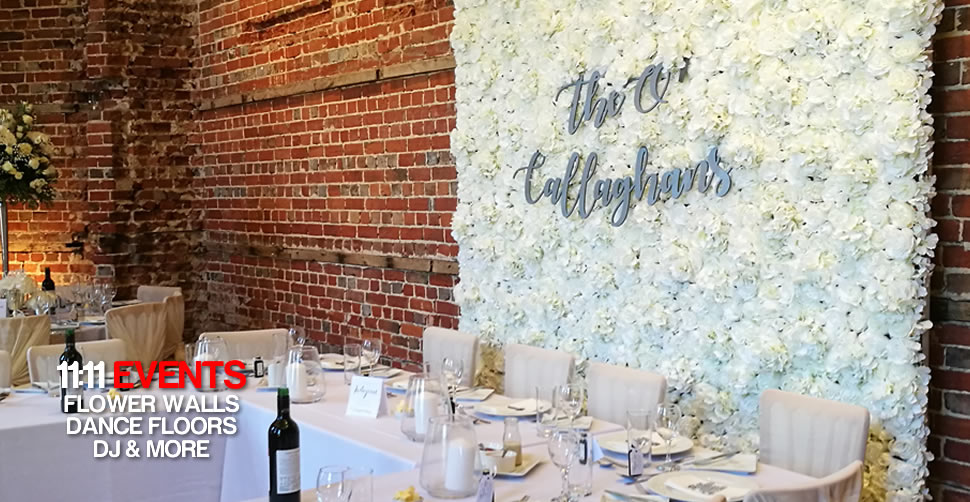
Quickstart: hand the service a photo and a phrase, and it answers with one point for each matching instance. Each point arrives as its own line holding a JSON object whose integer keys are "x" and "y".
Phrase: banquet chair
{"x": 143, "y": 327}
{"x": 109, "y": 351}
{"x": 156, "y": 293}
{"x": 844, "y": 485}
{"x": 528, "y": 367}
{"x": 4, "y": 369}
{"x": 439, "y": 343}
{"x": 615, "y": 389}
{"x": 811, "y": 436}
{"x": 17, "y": 334}
{"x": 246, "y": 345}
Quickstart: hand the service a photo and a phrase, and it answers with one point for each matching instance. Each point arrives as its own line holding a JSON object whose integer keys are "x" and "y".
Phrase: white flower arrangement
{"x": 26, "y": 173}
{"x": 810, "y": 275}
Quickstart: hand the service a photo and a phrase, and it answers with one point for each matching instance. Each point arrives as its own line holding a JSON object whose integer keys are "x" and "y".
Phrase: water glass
{"x": 581, "y": 469}
{"x": 546, "y": 417}
{"x": 666, "y": 425}
{"x": 563, "y": 450}
{"x": 639, "y": 432}
{"x": 211, "y": 348}
{"x": 362, "y": 484}
{"x": 370, "y": 354}
{"x": 332, "y": 484}
{"x": 304, "y": 375}
{"x": 352, "y": 361}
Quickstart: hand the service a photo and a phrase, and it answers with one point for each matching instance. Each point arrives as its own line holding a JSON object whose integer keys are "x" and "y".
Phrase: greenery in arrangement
{"x": 26, "y": 173}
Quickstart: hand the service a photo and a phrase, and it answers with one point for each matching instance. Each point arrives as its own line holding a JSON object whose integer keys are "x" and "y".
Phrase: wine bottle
{"x": 48, "y": 284}
{"x": 284, "y": 453}
{"x": 70, "y": 356}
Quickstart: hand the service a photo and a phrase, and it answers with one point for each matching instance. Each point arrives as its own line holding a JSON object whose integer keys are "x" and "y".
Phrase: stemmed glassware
{"x": 370, "y": 354}
{"x": 108, "y": 293}
{"x": 332, "y": 484}
{"x": 563, "y": 449}
{"x": 667, "y": 426}
{"x": 451, "y": 373}
{"x": 570, "y": 398}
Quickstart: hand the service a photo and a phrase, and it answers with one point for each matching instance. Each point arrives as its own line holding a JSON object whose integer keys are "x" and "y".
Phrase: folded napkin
{"x": 705, "y": 488}
{"x": 473, "y": 395}
{"x": 581, "y": 423}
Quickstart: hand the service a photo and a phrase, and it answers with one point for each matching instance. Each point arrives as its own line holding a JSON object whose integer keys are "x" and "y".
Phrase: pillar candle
{"x": 425, "y": 406}
{"x": 296, "y": 382}
{"x": 460, "y": 466}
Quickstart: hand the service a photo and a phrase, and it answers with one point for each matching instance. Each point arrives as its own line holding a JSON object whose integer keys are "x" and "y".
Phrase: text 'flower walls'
{"x": 797, "y": 258}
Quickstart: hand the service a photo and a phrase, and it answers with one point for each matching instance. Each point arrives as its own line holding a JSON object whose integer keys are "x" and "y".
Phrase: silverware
{"x": 516, "y": 408}
{"x": 476, "y": 421}
{"x": 4, "y": 396}
{"x": 637, "y": 498}
{"x": 524, "y": 498}
{"x": 715, "y": 458}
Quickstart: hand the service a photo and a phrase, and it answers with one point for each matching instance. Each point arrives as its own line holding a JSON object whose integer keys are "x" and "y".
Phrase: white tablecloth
{"x": 51, "y": 465}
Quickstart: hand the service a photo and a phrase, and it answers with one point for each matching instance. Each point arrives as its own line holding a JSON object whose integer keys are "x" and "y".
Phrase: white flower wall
{"x": 808, "y": 275}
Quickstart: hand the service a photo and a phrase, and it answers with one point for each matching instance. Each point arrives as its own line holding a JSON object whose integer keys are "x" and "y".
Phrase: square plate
{"x": 529, "y": 462}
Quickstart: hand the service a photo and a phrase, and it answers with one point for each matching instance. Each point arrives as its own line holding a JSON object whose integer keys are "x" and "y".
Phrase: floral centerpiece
{"x": 20, "y": 290}
{"x": 26, "y": 173}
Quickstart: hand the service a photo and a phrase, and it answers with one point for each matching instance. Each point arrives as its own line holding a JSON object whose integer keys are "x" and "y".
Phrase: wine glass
{"x": 451, "y": 373}
{"x": 370, "y": 354}
{"x": 108, "y": 293}
{"x": 667, "y": 424}
{"x": 563, "y": 449}
{"x": 570, "y": 398}
{"x": 332, "y": 485}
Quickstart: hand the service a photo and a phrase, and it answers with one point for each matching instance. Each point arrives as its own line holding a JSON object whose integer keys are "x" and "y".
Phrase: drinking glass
{"x": 563, "y": 449}
{"x": 190, "y": 354}
{"x": 424, "y": 399}
{"x": 297, "y": 335}
{"x": 370, "y": 354}
{"x": 304, "y": 375}
{"x": 332, "y": 485}
{"x": 570, "y": 398}
{"x": 449, "y": 461}
{"x": 638, "y": 430}
{"x": 211, "y": 348}
{"x": 546, "y": 417}
{"x": 666, "y": 424}
{"x": 108, "y": 293}
{"x": 362, "y": 484}
{"x": 352, "y": 361}
{"x": 43, "y": 303}
{"x": 451, "y": 372}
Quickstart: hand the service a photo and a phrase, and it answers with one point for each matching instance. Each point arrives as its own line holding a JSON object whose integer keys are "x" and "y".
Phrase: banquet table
{"x": 32, "y": 426}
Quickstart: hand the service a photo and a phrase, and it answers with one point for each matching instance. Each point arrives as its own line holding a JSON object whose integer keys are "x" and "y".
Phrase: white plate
{"x": 501, "y": 409}
{"x": 334, "y": 362}
{"x": 616, "y": 443}
{"x": 474, "y": 395}
{"x": 529, "y": 462}
{"x": 91, "y": 321}
{"x": 658, "y": 484}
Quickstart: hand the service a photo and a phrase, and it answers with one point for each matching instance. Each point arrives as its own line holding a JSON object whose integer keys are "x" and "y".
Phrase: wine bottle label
{"x": 287, "y": 471}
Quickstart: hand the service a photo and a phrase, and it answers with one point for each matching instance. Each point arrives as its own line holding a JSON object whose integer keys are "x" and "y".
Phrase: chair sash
{"x": 439, "y": 343}
{"x": 527, "y": 368}
{"x": 844, "y": 485}
{"x": 142, "y": 327}
{"x": 809, "y": 435}
{"x": 246, "y": 345}
{"x": 17, "y": 334}
{"x": 614, "y": 389}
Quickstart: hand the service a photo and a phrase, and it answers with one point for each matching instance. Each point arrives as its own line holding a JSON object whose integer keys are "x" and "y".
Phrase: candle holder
{"x": 449, "y": 463}
{"x": 424, "y": 399}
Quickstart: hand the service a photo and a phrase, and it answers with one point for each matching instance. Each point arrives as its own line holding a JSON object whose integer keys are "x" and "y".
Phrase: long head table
{"x": 51, "y": 465}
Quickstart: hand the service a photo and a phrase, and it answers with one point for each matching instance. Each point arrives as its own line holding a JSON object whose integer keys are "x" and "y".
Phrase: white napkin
{"x": 704, "y": 489}
{"x": 581, "y": 423}
{"x": 473, "y": 395}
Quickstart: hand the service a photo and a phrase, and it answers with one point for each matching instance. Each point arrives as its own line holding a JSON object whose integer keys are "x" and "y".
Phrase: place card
{"x": 486, "y": 488}
{"x": 3, "y": 307}
{"x": 367, "y": 397}
{"x": 635, "y": 461}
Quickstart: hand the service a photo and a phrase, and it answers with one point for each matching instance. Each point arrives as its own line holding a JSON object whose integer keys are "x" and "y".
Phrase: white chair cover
{"x": 246, "y": 345}
{"x": 615, "y": 389}
{"x": 142, "y": 327}
{"x": 4, "y": 369}
{"x": 17, "y": 334}
{"x": 812, "y": 436}
{"x": 174, "y": 326}
{"x": 109, "y": 351}
{"x": 844, "y": 485}
{"x": 528, "y": 367}
{"x": 439, "y": 343}
{"x": 156, "y": 293}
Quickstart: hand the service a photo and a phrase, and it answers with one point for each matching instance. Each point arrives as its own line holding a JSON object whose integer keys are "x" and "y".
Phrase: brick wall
{"x": 111, "y": 81}
{"x": 327, "y": 177}
{"x": 949, "y": 342}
